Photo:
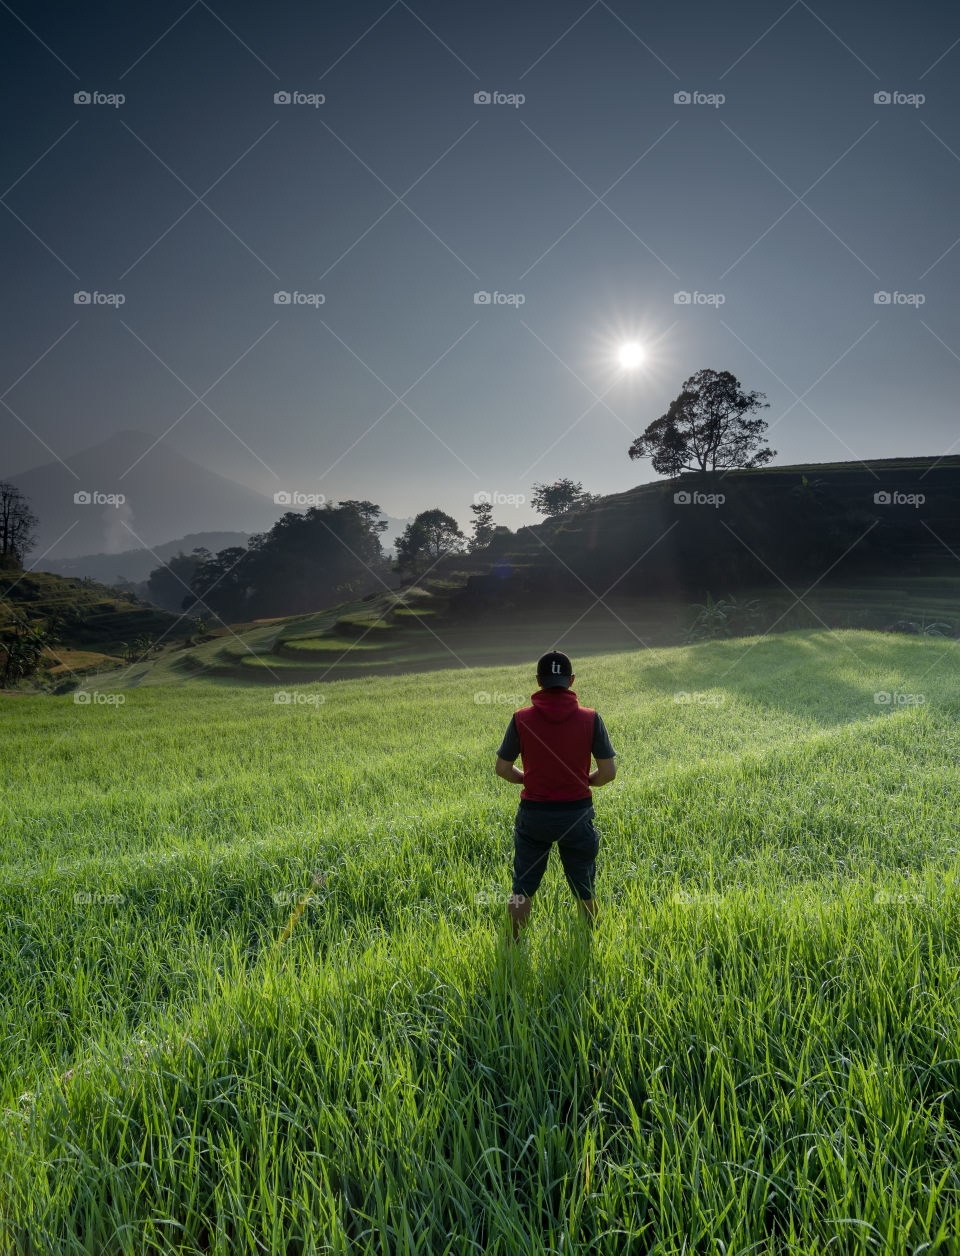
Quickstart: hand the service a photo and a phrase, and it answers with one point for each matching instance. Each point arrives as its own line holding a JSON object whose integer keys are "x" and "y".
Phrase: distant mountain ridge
{"x": 135, "y": 565}
{"x": 163, "y": 493}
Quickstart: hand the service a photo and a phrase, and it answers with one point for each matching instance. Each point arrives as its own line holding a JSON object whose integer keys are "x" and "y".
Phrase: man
{"x": 555, "y": 738}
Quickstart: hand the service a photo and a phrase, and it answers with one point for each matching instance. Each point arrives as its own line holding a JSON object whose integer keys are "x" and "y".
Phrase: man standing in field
{"x": 555, "y": 738}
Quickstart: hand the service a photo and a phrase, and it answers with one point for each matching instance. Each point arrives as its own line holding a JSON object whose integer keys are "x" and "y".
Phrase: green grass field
{"x": 757, "y": 1051}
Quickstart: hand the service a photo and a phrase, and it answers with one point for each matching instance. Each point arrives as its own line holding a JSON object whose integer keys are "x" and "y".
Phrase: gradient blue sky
{"x": 702, "y": 199}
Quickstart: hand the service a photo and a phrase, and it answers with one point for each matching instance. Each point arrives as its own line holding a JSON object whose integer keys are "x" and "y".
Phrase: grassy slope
{"x": 764, "y": 1041}
{"x": 306, "y": 648}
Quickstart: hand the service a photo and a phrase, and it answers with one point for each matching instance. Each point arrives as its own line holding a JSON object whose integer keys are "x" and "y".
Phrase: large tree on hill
{"x": 17, "y": 522}
{"x": 707, "y": 428}
{"x": 432, "y": 535}
{"x": 559, "y": 497}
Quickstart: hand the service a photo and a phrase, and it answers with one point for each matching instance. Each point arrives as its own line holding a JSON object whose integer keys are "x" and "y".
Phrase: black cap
{"x": 554, "y": 670}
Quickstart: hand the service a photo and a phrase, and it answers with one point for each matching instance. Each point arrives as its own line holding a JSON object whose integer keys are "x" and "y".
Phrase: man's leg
{"x": 578, "y": 851}
{"x": 529, "y": 864}
{"x": 519, "y": 906}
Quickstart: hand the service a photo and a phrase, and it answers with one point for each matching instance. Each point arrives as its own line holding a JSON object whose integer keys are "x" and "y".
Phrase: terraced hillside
{"x": 95, "y": 625}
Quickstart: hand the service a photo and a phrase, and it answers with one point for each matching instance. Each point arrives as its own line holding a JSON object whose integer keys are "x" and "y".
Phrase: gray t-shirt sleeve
{"x": 601, "y": 748}
{"x": 510, "y": 746}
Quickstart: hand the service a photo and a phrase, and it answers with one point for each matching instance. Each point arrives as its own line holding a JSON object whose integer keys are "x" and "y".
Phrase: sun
{"x": 631, "y": 354}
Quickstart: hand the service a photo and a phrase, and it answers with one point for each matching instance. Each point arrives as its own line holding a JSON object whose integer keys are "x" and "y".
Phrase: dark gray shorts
{"x": 578, "y": 842}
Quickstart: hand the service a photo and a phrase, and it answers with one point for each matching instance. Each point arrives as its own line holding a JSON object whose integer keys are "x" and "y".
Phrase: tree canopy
{"x": 559, "y": 497}
{"x": 306, "y": 560}
{"x": 707, "y": 428}
{"x": 424, "y": 541}
{"x": 483, "y": 525}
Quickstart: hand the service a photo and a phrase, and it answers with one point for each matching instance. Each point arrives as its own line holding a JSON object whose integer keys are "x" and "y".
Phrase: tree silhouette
{"x": 707, "y": 428}
{"x": 559, "y": 497}
{"x": 430, "y": 536}
{"x": 306, "y": 560}
{"x": 17, "y": 523}
{"x": 482, "y": 525}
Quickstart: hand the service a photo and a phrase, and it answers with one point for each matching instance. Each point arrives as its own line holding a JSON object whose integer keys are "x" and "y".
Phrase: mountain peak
{"x": 127, "y": 440}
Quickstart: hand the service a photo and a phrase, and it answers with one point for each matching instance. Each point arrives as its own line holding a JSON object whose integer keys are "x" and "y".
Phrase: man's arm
{"x": 604, "y": 753}
{"x": 603, "y": 773}
{"x": 509, "y": 750}
{"x": 509, "y": 773}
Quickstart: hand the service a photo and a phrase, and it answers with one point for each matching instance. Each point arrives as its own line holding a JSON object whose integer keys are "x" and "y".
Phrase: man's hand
{"x": 603, "y": 773}
{"x": 509, "y": 773}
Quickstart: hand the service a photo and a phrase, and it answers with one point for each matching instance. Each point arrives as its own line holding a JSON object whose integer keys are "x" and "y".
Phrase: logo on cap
{"x": 554, "y": 668}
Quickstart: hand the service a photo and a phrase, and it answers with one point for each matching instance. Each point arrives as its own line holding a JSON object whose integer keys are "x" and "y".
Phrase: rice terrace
{"x": 479, "y": 630}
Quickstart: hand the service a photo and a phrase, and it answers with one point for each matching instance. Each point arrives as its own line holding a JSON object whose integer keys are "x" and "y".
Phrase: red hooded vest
{"x": 556, "y": 742}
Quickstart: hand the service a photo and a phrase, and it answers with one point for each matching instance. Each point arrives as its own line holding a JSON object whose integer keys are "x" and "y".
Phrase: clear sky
{"x": 786, "y": 205}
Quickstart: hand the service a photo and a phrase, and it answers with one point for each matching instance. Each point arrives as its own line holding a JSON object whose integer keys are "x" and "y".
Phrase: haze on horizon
{"x": 782, "y": 198}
